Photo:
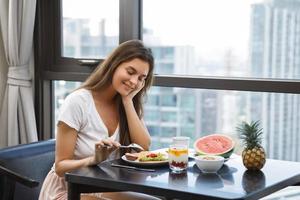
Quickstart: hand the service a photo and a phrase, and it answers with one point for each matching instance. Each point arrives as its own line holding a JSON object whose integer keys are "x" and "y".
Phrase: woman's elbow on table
{"x": 58, "y": 170}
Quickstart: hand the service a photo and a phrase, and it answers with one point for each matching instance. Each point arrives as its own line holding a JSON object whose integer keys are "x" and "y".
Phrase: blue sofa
{"x": 23, "y": 169}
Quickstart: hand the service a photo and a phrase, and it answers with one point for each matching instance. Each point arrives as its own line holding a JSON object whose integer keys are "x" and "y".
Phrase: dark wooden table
{"x": 232, "y": 181}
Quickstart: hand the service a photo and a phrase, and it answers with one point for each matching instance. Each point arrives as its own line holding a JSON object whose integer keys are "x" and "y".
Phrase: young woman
{"x": 103, "y": 113}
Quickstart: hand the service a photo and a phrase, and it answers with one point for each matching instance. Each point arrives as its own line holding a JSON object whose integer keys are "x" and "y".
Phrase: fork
{"x": 133, "y": 146}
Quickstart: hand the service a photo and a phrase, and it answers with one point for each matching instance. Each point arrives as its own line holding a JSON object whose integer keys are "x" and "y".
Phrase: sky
{"x": 216, "y": 25}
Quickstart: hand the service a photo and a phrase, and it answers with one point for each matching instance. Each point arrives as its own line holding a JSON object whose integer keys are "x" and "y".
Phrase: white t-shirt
{"x": 79, "y": 112}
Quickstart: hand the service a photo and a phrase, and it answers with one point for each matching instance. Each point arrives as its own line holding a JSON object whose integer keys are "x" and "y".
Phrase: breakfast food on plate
{"x": 132, "y": 156}
{"x": 146, "y": 156}
{"x": 215, "y": 144}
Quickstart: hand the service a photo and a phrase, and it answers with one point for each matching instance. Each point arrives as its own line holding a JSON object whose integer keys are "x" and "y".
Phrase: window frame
{"x": 49, "y": 65}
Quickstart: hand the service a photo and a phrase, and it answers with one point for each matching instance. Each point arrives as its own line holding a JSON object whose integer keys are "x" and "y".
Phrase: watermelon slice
{"x": 215, "y": 144}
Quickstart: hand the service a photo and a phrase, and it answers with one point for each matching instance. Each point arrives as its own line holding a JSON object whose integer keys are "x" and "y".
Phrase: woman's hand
{"x": 103, "y": 149}
{"x": 138, "y": 88}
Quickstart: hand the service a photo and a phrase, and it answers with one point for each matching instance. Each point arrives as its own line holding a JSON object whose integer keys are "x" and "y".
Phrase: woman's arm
{"x": 137, "y": 129}
{"x": 64, "y": 153}
{"x": 65, "y": 146}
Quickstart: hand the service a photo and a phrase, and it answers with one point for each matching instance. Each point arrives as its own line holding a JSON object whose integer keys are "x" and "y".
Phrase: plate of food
{"x": 146, "y": 158}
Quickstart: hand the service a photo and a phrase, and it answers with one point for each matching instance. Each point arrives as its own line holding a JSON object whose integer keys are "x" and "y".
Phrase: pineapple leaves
{"x": 250, "y": 134}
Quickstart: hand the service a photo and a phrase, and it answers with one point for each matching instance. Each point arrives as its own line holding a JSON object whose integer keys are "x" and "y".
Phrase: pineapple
{"x": 254, "y": 156}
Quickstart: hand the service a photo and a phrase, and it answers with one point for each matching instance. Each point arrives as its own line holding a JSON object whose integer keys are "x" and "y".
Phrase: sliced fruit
{"x": 215, "y": 144}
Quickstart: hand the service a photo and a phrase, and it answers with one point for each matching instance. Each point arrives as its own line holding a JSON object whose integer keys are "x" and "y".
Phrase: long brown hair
{"x": 102, "y": 77}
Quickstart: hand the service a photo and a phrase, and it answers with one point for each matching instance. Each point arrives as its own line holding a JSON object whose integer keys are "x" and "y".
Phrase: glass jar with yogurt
{"x": 178, "y": 157}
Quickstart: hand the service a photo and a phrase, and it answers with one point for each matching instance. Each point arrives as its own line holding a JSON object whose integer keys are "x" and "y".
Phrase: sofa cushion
{"x": 32, "y": 160}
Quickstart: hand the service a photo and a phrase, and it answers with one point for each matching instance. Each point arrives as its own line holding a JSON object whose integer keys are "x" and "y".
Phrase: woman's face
{"x": 130, "y": 76}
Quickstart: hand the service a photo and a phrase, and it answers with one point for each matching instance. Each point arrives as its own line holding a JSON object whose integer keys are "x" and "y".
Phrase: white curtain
{"x": 17, "y": 117}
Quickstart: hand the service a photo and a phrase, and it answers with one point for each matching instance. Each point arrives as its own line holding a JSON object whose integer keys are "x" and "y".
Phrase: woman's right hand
{"x": 103, "y": 149}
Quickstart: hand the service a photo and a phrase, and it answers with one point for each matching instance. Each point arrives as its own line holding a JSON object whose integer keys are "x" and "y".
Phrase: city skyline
{"x": 275, "y": 52}
{"x": 231, "y": 18}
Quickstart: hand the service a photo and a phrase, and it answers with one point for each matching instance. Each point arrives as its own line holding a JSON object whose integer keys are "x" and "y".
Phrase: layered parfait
{"x": 178, "y": 158}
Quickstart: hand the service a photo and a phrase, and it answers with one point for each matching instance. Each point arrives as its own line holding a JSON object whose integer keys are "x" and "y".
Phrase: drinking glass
{"x": 181, "y": 140}
{"x": 178, "y": 157}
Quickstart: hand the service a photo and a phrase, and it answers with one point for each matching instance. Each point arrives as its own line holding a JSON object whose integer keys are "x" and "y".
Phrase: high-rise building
{"x": 275, "y": 53}
{"x": 82, "y": 39}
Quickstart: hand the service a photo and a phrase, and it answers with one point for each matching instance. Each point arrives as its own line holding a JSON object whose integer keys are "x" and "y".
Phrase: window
{"x": 90, "y": 28}
{"x": 211, "y": 72}
{"x": 169, "y": 117}
{"x": 279, "y": 115}
{"x": 61, "y": 90}
{"x": 224, "y": 38}
{"x": 152, "y": 115}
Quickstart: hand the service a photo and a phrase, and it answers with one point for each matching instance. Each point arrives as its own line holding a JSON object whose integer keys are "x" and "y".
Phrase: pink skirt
{"x": 55, "y": 188}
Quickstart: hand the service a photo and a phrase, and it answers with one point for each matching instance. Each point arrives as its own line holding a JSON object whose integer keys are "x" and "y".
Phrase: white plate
{"x": 148, "y": 163}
